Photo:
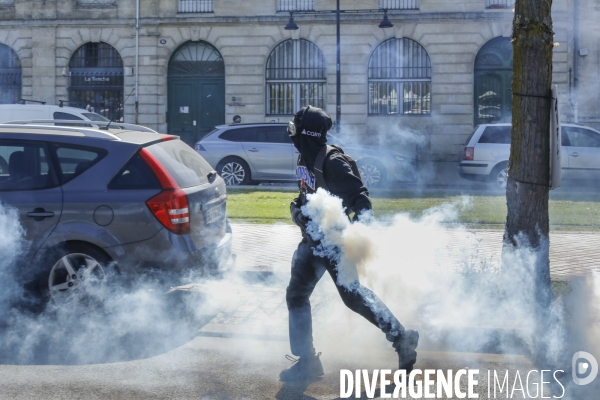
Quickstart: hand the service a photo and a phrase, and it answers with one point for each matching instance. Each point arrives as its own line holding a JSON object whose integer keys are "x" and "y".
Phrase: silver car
{"x": 251, "y": 153}
{"x": 486, "y": 152}
{"x": 89, "y": 197}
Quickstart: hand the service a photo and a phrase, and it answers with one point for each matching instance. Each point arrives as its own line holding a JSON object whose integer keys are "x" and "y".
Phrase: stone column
{"x": 43, "y": 46}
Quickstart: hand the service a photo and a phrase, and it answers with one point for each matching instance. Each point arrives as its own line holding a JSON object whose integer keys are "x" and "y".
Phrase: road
{"x": 234, "y": 344}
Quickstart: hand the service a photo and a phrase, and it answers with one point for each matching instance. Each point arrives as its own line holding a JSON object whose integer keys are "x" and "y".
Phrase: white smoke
{"x": 426, "y": 272}
{"x": 12, "y": 244}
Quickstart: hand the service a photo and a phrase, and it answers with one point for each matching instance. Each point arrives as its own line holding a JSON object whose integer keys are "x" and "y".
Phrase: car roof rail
{"x": 104, "y": 125}
{"x": 89, "y": 132}
{"x": 25, "y": 101}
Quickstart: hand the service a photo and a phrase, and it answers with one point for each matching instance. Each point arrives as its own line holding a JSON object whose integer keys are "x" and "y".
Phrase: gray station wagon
{"x": 89, "y": 197}
{"x": 252, "y": 153}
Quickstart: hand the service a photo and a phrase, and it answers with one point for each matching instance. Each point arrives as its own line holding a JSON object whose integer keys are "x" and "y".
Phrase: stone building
{"x": 442, "y": 68}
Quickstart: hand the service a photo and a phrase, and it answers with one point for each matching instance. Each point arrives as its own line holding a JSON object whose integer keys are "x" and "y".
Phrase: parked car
{"x": 486, "y": 152}
{"x": 28, "y": 112}
{"x": 89, "y": 197}
{"x": 251, "y": 153}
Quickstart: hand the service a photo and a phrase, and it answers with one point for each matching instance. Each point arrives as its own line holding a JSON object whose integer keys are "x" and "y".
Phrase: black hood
{"x": 312, "y": 125}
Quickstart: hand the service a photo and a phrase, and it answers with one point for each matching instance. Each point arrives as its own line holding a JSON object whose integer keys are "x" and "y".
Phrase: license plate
{"x": 213, "y": 215}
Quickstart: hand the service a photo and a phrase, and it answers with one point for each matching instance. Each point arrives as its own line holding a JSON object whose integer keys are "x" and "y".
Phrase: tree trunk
{"x": 527, "y": 222}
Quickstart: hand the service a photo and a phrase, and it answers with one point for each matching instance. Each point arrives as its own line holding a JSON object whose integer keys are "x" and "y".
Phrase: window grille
{"x": 10, "y": 75}
{"x": 96, "y": 79}
{"x": 399, "y": 4}
{"x": 399, "y": 79}
{"x": 196, "y": 6}
{"x": 296, "y": 77}
{"x": 295, "y": 5}
{"x": 499, "y": 4}
{"x": 96, "y": 55}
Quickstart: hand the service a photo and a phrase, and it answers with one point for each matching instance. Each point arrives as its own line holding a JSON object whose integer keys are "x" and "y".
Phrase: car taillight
{"x": 468, "y": 153}
{"x": 170, "y": 206}
{"x": 199, "y": 147}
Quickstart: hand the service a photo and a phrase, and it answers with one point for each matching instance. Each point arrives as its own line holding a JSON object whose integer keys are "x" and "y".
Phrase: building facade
{"x": 442, "y": 68}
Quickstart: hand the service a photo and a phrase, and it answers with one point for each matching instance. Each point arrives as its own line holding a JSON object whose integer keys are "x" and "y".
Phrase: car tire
{"x": 73, "y": 273}
{"x": 373, "y": 174}
{"x": 234, "y": 171}
{"x": 499, "y": 176}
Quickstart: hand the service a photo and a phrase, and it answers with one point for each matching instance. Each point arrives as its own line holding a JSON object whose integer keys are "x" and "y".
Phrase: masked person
{"x": 330, "y": 168}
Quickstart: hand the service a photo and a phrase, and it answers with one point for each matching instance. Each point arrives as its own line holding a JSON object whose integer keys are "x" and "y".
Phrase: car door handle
{"x": 574, "y": 154}
{"x": 254, "y": 150}
{"x": 40, "y": 213}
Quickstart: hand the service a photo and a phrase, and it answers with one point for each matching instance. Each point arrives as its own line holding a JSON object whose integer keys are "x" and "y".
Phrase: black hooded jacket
{"x": 312, "y": 125}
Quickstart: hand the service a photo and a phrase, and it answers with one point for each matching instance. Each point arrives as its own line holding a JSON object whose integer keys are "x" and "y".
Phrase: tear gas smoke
{"x": 128, "y": 316}
{"x": 11, "y": 245}
{"x": 425, "y": 271}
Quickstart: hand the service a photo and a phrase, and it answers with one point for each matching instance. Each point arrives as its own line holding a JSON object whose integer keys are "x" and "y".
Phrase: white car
{"x": 486, "y": 152}
{"x": 28, "y": 112}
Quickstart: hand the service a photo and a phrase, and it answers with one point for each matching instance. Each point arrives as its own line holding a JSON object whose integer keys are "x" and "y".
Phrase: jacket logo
{"x": 311, "y": 133}
{"x": 305, "y": 177}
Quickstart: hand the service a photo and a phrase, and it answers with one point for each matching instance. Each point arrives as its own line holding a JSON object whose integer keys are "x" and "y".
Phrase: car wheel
{"x": 77, "y": 275}
{"x": 372, "y": 173}
{"x": 499, "y": 176}
{"x": 234, "y": 171}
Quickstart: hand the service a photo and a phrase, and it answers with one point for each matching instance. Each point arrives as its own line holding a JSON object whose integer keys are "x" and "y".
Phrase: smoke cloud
{"x": 427, "y": 270}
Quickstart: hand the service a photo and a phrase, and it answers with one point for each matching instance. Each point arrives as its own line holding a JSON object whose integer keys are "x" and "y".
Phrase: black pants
{"x": 307, "y": 269}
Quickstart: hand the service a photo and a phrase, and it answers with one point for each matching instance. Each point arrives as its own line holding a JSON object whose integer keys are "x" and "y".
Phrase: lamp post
{"x": 291, "y": 25}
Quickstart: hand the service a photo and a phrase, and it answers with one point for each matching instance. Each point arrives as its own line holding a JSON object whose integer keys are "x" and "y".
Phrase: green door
{"x": 196, "y": 91}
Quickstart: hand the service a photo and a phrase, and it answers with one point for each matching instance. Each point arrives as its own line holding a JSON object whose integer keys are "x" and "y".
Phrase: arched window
{"x": 96, "y": 80}
{"x": 296, "y": 77}
{"x": 493, "y": 78}
{"x": 196, "y": 59}
{"x": 399, "y": 79}
{"x": 10, "y": 75}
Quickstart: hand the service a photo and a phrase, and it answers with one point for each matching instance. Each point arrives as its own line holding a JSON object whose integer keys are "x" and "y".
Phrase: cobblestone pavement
{"x": 269, "y": 247}
{"x": 259, "y": 309}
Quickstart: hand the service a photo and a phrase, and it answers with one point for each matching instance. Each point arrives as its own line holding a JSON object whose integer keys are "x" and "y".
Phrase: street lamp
{"x": 292, "y": 26}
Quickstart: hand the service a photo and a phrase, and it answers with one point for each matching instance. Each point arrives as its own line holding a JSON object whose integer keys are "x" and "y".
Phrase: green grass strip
{"x": 272, "y": 206}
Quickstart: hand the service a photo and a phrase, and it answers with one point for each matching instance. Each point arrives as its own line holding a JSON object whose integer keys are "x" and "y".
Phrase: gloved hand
{"x": 363, "y": 216}
{"x": 299, "y": 219}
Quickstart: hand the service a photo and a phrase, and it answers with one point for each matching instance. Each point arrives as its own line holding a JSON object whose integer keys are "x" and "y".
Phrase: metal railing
{"x": 196, "y": 6}
{"x": 295, "y": 5}
{"x": 399, "y": 4}
{"x": 501, "y": 4}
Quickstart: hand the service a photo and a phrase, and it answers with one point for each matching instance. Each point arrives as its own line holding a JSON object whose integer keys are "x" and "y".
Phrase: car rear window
{"x": 73, "y": 161}
{"x": 471, "y": 135}
{"x": 135, "y": 175}
{"x": 496, "y": 134}
{"x": 186, "y": 166}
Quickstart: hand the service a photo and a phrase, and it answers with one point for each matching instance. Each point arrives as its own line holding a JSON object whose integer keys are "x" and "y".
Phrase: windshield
{"x": 95, "y": 117}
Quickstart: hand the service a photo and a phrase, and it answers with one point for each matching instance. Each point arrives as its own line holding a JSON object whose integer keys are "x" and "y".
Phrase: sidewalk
{"x": 270, "y": 248}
